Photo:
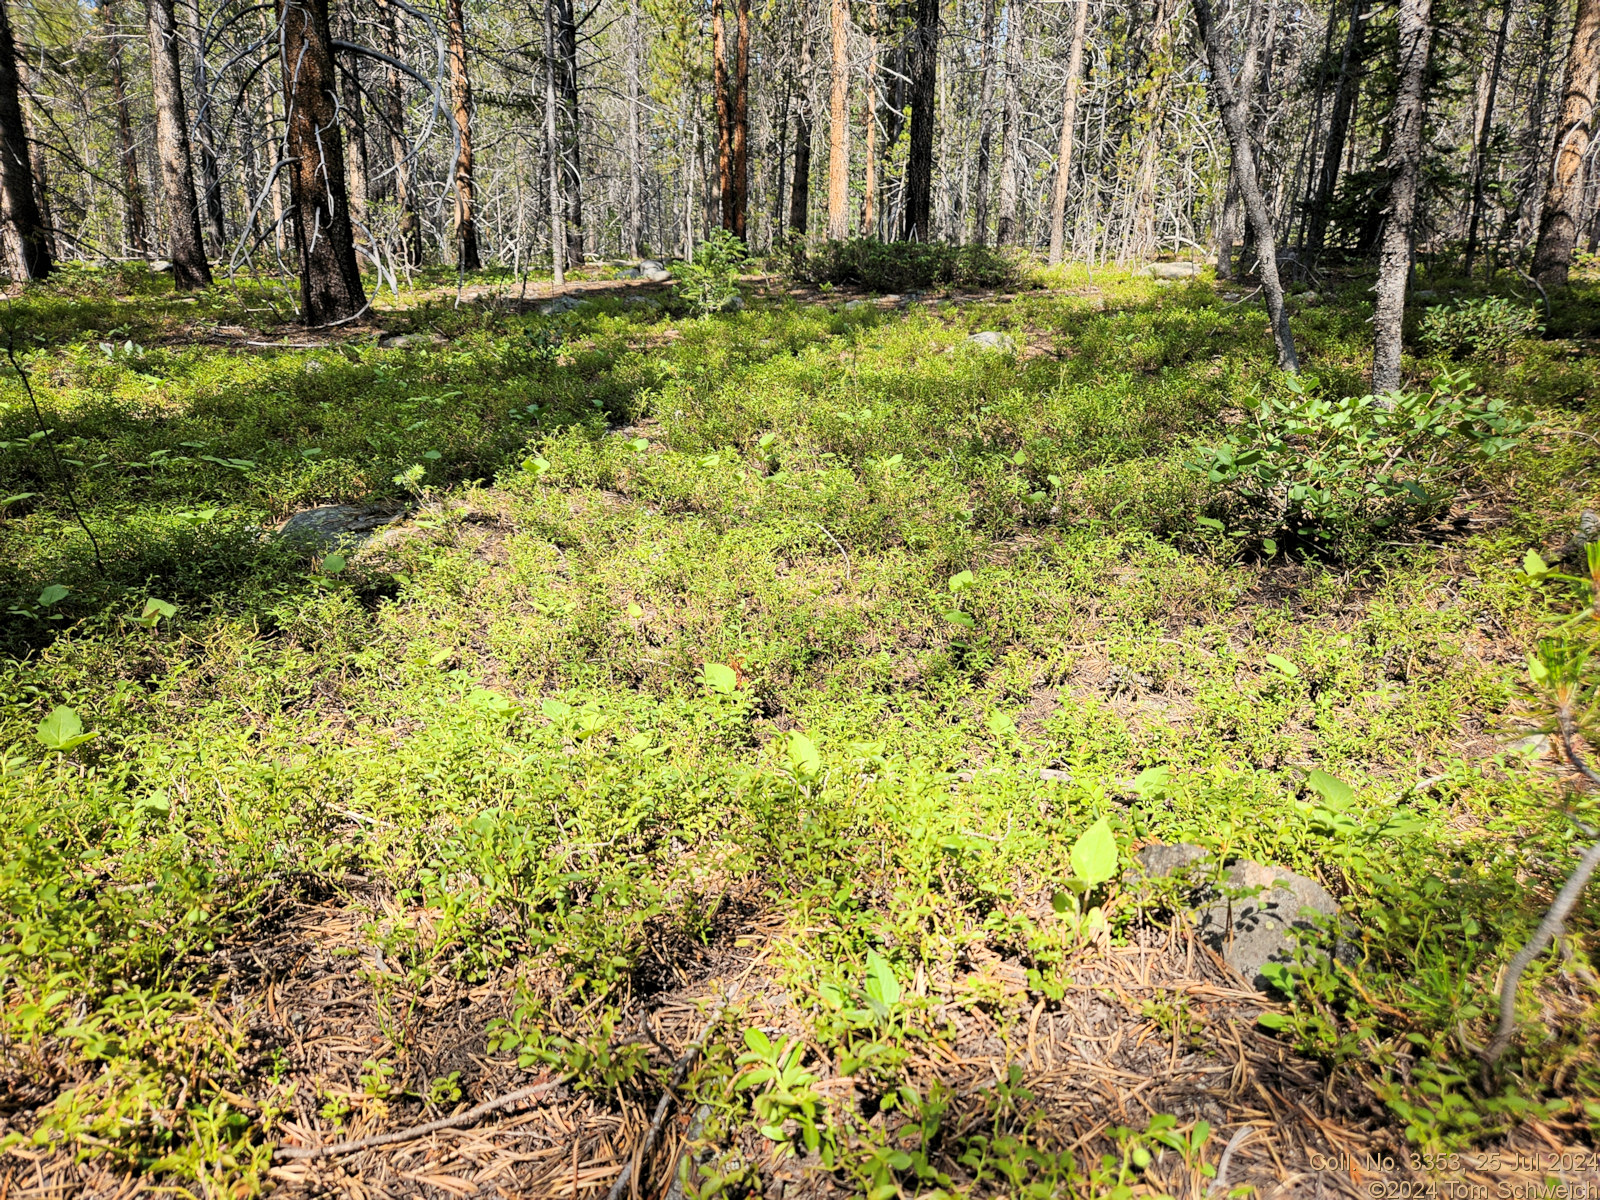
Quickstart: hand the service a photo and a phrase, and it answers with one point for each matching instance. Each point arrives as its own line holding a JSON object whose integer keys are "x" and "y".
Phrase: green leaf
{"x": 62, "y": 730}
{"x": 492, "y": 702}
{"x": 635, "y": 611}
{"x": 1269, "y": 547}
{"x": 881, "y": 987}
{"x": 960, "y": 581}
{"x": 1336, "y": 793}
{"x": 333, "y": 564}
{"x": 1001, "y": 725}
{"x": 1094, "y": 854}
{"x": 12, "y": 499}
{"x": 1534, "y": 566}
{"x": 1211, "y": 523}
{"x": 719, "y": 678}
{"x": 1283, "y": 665}
{"x": 431, "y": 455}
{"x": 1151, "y": 782}
{"x": 52, "y": 594}
{"x": 555, "y": 710}
{"x": 154, "y": 611}
{"x": 956, "y": 617}
{"x": 803, "y": 756}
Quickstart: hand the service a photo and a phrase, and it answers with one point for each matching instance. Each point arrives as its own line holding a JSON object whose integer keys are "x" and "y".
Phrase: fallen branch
{"x": 416, "y": 1131}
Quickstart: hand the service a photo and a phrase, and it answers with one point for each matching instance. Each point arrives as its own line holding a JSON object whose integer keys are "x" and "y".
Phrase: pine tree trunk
{"x": 571, "y": 155}
{"x": 980, "y": 197}
{"x": 869, "y": 185}
{"x": 924, "y": 89}
{"x": 1405, "y": 161}
{"x": 1235, "y": 121}
{"x": 189, "y": 267}
{"x": 205, "y": 139}
{"x": 410, "y": 227}
{"x": 133, "y": 217}
{"x": 1480, "y": 157}
{"x": 800, "y": 186}
{"x": 839, "y": 122}
{"x": 1228, "y": 223}
{"x": 558, "y": 235}
{"x": 635, "y": 143}
{"x": 357, "y": 184}
{"x": 741, "y": 121}
{"x": 330, "y": 282}
{"x": 1563, "y": 197}
{"x": 461, "y": 109}
{"x": 1344, "y": 97}
{"x": 1007, "y": 229}
{"x": 1069, "y": 119}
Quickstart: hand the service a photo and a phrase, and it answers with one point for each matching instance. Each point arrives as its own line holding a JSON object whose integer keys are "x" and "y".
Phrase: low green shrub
{"x": 1330, "y": 475}
{"x": 1485, "y": 328}
{"x": 709, "y": 284}
{"x": 900, "y": 266}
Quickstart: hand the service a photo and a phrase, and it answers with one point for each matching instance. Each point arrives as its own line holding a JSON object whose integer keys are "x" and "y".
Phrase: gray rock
{"x": 1574, "y": 555}
{"x": 1535, "y": 745}
{"x": 989, "y": 339}
{"x": 1160, "y": 860}
{"x": 336, "y": 526}
{"x": 1424, "y": 294}
{"x": 1259, "y": 916}
{"x": 1053, "y": 775}
{"x": 734, "y": 303}
{"x": 409, "y": 341}
{"x": 653, "y": 271}
{"x": 1311, "y": 299}
{"x": 854, "y": 305}
{"x": 561, "y": 304}
{"x": 1175, "y": 270}
{"x": 160, "y": 264}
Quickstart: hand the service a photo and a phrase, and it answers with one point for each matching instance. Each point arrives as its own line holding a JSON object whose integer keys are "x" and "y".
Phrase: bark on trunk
{"x": 330, "y": 282}
{"x": 924, "y": 88}
{"x": 357, "y": 183}
{"x": 1228, "y": 223}
{"x": 741, "y": 121}
{"x": 800, "y": 187}
{"x": 1344, "y": 97}
{"x": 635, "y": 146}
{"x": 1235, "y": 122}
{"x": 731, "y": 88}
{"x": 839, "y": 123}
{"x": 1480, "y": 156}
{"x": 558, "y": 235}
{"x": 1405, "y": 160}
{"x": 980, "y": 198}
{"x": 410, "y": 227}
{"x": 571, "y": 157}
{"x": 205, "y": 138}
{"x": 869, "y": 107}
{"x": 1563, "y": 196}
{"x": 133, "y": 216}
{"x": 189, "y": 267}
{"x": 1007, "y": 229}
{"x": 1069, "y": 120}
{"x": 461, "y": 109}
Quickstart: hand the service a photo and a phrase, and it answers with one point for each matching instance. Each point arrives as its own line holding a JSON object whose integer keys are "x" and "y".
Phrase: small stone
{"x": 653, "y": 271}
{"x": 1535, "y": 745}
{"x": 990, "y": 339}
{"x": 336, "y": 526}
{"x": 561, "y": 304}
{"x": 1052, "y": 775}
{"x": 1250, "y": 931}
{"x": 160, "y": 264}
{"x": 1175, "y": 270}
{"x": 734, "y": 303}
{"x": 1311, "y": 299}
{"x": 1159, "y": 860}
{"x": 1232, "y": 297}
{"x": 1575, "y": 553}
{"x": 853, "y": 305}
{"x": 409, "y": 341}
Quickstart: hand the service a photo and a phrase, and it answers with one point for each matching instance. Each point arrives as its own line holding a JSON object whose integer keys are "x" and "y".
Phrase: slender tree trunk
{"x": 330, "y": 281}
{"x": 869, "y": 186}
{"x": 1228, "y": 223}
{"x": 405, "y": 201}
{"x": 731, "y": 88}
{"x": 1405, "y": 161}
{"x": 839, "y": 122}
{"x": 635, "y": 143}
{"x": 1563, "y": 197}
{"x": 133, "y": 222}
{"x": 741, "y": 121}
{"x": 572, "y": 161}
{"x": 205, "y": 139}
{"x": 1007, "y": 229}
{"x": 800, "y": 188}
{"x": 980, "y": 198}
{"x": 924, "y": 88}
{"x": 356, "y": 130}
{"x": 1069, "y": 119}
{"x": 558, "y": 236}
{"x": 189, "y": 267}
{"x": 1338, "y": 130}
{"x": 1480, "y": 157}
{"x": 1235, "y": 122}
{"x": 461, "y": 109}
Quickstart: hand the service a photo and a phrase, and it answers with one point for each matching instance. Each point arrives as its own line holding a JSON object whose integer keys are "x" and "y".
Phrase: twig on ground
{"x": 848, "y": 577}
{"x": 680, "y": 1072}
{"x": 416, "y": 1131}
{"x": 1220, "y": 1183}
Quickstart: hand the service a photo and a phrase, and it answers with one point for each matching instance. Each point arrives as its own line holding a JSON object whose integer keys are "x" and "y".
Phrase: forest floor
{"x": 701, "y": 734}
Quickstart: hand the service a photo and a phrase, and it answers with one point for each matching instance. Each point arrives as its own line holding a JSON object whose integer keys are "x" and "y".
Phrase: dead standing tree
{"x": 1235, "y": 121}
{"x": 918, "y": 226}
{"x": 190, "y": 269}
{"x": 28, "y": 238}
{"x": 330, "y": 282}
{"x": 467, "y": 258}
{"x": 732, "y": 102}
{"x": 1563, "y": 197}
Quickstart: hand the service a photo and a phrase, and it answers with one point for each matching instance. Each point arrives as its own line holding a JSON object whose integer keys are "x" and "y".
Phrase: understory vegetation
{"x": 758, "y": 628}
